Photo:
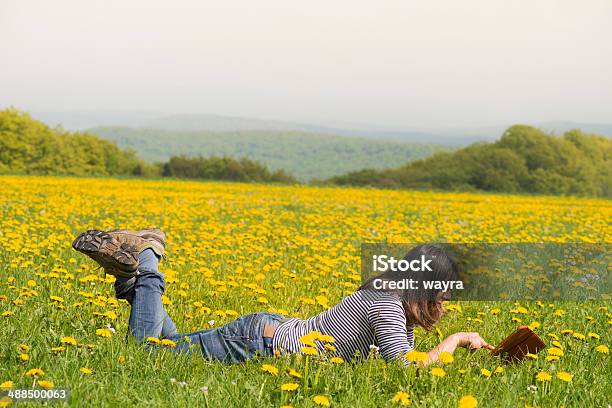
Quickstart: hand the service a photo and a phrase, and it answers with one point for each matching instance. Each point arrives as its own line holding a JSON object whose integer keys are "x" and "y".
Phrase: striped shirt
{"x": 363, "y": 319}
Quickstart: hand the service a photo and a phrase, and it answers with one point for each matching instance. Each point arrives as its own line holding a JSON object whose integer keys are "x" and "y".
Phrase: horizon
{"x": 83, "y": 120}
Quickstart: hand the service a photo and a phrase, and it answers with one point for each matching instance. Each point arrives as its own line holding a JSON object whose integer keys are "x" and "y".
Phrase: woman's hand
{"x": 471, "y": 341}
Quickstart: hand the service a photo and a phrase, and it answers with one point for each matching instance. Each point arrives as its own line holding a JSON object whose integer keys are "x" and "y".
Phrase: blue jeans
{"x": 234, "y": 342}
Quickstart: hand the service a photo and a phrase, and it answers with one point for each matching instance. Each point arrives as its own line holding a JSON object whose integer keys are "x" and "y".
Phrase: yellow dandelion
{"x": 7, "y": 385}
{"x": 110, "y": 314}
{"x": 270, "y": 369}
{"x": 438, "y": 372}
{"x": 24, "y": 357}
{"x": 329, "y": 347}
{"x": 543, "y": 376}
{"x": 446, "y": 357}
{"x": 294, "y": 373}
{"x": 104, "y": 332}
{"x": 401, "y": 398}
{"x": 309, "y": 351}
{"x": 153, "y": 340}
{"x": 602, "y": 349}
{"x": 86, "y": 371}
{"x": 310, "y": 338}
{"x": 453, "y": 308}
{"x": 416, "y": 356}
{"x": 290, "y": 387}
{"x": 46, "y": 384}
{"x": 35, "y": 372}
{"x": 485, "y": 372}
{"x": 564, "y": 376}
{"x": 468, "y": 401}
{"x": 336, "y": 360}
{"x": 321, "y": 400}
{"x": 68, "y": 340}
{"x": 168, "y": 343}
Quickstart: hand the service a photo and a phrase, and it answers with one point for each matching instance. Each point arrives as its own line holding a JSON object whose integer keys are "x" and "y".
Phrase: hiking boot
{"x": 117, "y": 251}
{"x": 117, "y": 257}
{"x": 153, "y": 238}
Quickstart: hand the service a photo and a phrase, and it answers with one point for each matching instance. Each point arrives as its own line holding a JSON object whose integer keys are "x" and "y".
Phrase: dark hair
{"x": 421, "y": 306}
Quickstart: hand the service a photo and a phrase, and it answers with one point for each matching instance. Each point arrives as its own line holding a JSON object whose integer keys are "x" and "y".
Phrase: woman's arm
{"x": 470, "y": 340}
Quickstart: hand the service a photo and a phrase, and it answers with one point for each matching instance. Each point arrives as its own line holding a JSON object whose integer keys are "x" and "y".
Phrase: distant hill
{"x": 455, "y": 136}
{"x": 218, "y": 123}
{"x": 305, "y": 155}
{"x": 441, "y": 135}
{"x": 524, "y": 160}
{"x": 82, "y": 120}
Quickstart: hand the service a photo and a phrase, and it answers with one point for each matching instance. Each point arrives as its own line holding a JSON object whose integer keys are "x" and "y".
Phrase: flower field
{"x": 241, "y": 248}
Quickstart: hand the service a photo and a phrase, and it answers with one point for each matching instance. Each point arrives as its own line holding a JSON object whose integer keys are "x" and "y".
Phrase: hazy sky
{"x": 396, "y": 64}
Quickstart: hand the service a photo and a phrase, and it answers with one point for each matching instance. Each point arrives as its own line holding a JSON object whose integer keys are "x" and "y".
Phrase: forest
{"x": 524, "y": 160}
{"x": 305, "y": 155}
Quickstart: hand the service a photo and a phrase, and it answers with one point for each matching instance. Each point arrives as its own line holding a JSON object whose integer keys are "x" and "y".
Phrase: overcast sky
{"x": 395, "y": 64}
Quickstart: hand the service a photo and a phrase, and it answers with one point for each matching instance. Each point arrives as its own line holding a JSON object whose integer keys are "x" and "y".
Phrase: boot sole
{"x": 107, "y": 251}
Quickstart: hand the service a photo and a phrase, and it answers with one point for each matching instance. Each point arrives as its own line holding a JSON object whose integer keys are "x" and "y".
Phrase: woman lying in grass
{"x": 368, "y": 317}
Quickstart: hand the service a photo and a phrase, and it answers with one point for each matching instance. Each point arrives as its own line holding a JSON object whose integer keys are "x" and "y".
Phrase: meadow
{"x": 240, "y": 248}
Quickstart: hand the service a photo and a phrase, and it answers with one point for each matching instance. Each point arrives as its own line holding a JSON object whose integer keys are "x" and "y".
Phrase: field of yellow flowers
{"x": 241, "y": 248}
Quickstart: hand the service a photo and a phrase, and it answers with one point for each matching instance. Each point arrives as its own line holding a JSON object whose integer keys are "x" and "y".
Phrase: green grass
{"x": 225, "y": 236}
{"x": 154, "y": 379}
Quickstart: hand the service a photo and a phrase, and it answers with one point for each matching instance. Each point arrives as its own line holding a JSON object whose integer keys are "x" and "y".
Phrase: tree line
{"x": 524, "y": 160}
{"x": 222, "y": 168}
{"x": 28, "y": 146}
